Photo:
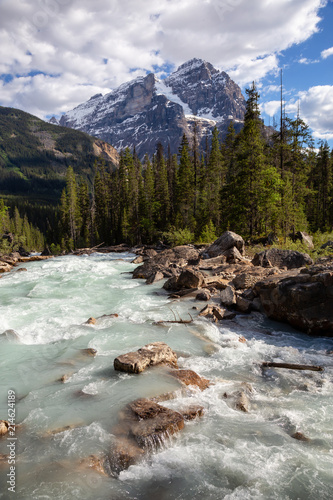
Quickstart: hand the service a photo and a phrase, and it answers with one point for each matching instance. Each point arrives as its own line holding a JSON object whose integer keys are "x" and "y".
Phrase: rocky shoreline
{"x": 284, "y": 285}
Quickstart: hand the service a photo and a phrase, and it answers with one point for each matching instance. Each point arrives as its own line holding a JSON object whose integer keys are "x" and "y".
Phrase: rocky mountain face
{"x": 147, "y": 110}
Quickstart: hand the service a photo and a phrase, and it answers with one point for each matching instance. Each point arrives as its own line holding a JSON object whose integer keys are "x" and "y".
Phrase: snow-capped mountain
{"x": 147, "y": 110}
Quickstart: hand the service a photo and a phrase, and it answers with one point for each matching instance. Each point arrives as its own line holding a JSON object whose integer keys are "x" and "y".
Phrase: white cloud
{"x": 328, "y": 52}
{"x": 316, "y": 109}
{"x": 70, "y": 41}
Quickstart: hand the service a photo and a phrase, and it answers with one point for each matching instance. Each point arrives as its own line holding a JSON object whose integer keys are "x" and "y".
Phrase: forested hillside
{"x": 34, "y": 157}
{"x": 250, "y": 183}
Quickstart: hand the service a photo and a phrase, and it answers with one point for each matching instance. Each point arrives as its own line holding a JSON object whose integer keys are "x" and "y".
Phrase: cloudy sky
{"x": 55, "y": 54}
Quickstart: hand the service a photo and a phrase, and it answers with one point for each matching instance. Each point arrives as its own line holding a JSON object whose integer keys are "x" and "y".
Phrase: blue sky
{"x": 56, "y": 54}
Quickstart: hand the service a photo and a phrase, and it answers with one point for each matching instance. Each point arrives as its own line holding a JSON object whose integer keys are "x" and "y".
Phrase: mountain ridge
{"x": 145, "y": 111}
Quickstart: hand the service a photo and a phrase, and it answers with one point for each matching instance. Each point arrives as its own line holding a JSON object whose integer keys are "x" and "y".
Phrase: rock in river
{"x": 149, "y": 355}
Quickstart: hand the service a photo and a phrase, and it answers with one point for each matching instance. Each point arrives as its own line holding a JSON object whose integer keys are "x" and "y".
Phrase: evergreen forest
{"x": 255, "y": 183}
{"x": 260, "y": 181}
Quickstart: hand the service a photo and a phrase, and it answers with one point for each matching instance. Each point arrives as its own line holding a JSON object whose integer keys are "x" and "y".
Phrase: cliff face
{"x": 146, "y": 110}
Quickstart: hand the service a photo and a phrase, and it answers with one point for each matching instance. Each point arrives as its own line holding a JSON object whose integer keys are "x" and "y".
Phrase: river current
{"x": 226, "y": 454}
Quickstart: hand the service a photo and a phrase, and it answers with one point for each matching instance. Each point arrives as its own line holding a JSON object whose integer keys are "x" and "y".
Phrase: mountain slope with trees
{"x": 34, "y": 158}
{"x": 250, "y": 183}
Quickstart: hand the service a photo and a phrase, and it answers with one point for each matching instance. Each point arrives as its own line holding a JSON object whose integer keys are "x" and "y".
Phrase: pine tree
{"x": 185, "y": 188}
{"x": 254, "y": 183}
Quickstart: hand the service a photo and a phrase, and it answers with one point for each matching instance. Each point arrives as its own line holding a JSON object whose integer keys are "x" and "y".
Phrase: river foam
{"x": 227, "y": 454}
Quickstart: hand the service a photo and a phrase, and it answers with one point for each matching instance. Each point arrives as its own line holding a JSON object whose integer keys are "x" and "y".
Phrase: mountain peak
{"x": 145, "y": 110}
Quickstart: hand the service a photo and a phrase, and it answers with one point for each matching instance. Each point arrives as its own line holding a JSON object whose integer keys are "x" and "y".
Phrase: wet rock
{"x": 203, "y": 295}
{"x": 243, "y": 305}
{"x": 302, "y": 299}
{"x": 91, "y": 321}
{"x": 242, "y": 339}
{"x": 124, "y": 453}
{"x": 242, "y": 402}
{"x": 227, "y": 241}
{"x": 97, "y": 463}
{"x": 192, "y": 412}
{"x": 10, "y": 335}
{"x": 228, "y": 296}
{"x": 149, "y": 355}
{"x": 138, "y": 260}
{"x": 65, "y": 377}
{"x": 21, "y": 269}
{"x": 4, "y": 267}
{"x": 300, "y": 436}
{"x": 4, "y": 425}
{"x": 216, "y": 313}
{"x": 189, "y": 377}
{"x": 275, "y": 257}
{"x": 156, "y": 276}
{"x": 89, "y": 351}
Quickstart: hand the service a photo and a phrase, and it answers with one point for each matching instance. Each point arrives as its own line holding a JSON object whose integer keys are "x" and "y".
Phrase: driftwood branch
{"x": 81, "y": 251}
{"x": 291, "y": 366}
{"x": 180, "y": 321}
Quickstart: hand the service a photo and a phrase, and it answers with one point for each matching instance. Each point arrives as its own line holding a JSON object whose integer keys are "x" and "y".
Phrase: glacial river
{"x": 226, "y": 454}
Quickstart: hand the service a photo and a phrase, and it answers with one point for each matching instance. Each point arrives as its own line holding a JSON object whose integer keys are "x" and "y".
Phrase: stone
{"x": 216, "y": 313}
{"x": 149, "y": 355}
{"x": 248, "y": 279}
{"x": 203, "y": 295}
{"x": 328, "y": 244}
{"x": 189, "y": 377}
{"x": 304, "y": 238}
{"x": 228, "y": 296}
{"x": 192, "y": 412}
{"x": 242, "y": 402}
{"x": 4, "y": 425}
{"x": 302, "y": 299}
{"x": 156, "y": 276}
{"x": 189, "y": 278}
{"x": 21, "y": 269}
{"x": 225, "y": 242}
{"x": 300, "y": 436}
{"x": 275, "y": 257}
{"x": 178, "y": 257}
{"x": 89, "y": 351}
{"x": 138, "y": 260}
{"x": 124, "y": 453}
{"x": 5, "y": 267}
{"x": 91, "y": 321}
{"x": 10, "y": 335}
{"x": 243, "y": 305}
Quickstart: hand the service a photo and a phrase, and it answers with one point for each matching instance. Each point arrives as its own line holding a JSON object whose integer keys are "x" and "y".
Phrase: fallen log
{"x": 290, "y": 366}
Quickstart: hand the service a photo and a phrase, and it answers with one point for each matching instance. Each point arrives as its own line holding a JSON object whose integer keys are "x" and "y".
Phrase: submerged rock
{"x": 189, "y": 377}
{"x": 150, "y": 355}
{"x": 143, "y": 427}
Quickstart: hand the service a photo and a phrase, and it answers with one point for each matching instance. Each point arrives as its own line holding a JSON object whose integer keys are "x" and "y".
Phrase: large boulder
{"x": 150, "y": 355}
{"x": 275, "y": 257}
{"x": 227, "y": 241}
{"x": 188, "y": 279}
{"x": 301, "y": 298}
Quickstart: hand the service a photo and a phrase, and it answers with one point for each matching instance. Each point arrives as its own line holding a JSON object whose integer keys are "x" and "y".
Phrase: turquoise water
{"x": 227, "y": 454}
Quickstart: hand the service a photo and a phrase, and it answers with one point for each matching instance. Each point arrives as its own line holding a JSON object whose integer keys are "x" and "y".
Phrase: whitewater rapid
{"x": 227, "y": 454}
